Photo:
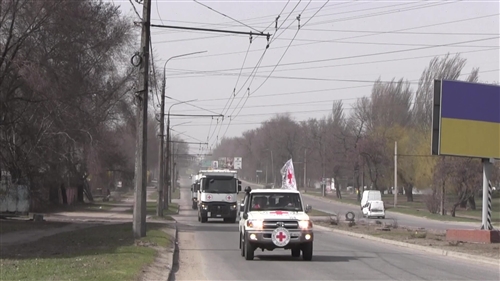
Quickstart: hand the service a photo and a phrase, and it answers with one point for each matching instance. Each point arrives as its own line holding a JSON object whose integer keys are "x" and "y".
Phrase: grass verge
{"x": 316, "y": 213}
{"x": 173, "y": 209}
{"x": 175, "y": 195}
{"x": 106, "y": 252}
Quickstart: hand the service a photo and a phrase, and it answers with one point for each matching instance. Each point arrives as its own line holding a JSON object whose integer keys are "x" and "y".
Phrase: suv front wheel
{"x": 249, "y": 250}
{"x": 307, "y": 251}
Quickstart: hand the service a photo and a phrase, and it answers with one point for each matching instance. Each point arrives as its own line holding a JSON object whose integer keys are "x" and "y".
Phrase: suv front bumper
{"x": 263, "y": 237}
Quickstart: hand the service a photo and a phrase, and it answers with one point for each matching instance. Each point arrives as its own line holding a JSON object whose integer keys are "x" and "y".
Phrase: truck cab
{"x": 275, "y": 219}
{"x": 217, "y": 195}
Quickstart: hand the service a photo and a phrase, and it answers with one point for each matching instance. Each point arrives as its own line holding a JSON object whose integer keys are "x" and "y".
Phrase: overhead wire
{"x": 228, "y": 23}
{"x": 158, "y": 11}
{"x": 191, "y": 137}
{"x": 135, "y": 9}
{"x": 382, "y": 53}
{"x": 365, "y": 35}
{"x": 255, "y": 69}
{"x": 212, "y": 9}
{"x": 233, "y": 95}
{"x": 281, "y": 58}
{"x": 182, "y": 72}
{"x": 342, "y": 99}
{"x": 384, "y": 12}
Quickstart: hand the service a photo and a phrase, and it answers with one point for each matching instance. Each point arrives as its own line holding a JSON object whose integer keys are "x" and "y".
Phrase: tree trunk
{"x": 409, "y": 193}
{"x": 64, "y": 195}
{"x": 472, "y": 202}
{"x": 80, "y": 193}
{"x": 463, "y": 204}
{"x": 337, "y": 189}
{"x": 454, "y": 208}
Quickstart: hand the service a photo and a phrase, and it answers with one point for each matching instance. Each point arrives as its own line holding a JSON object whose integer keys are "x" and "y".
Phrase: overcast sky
{"x": 337, "y": 54}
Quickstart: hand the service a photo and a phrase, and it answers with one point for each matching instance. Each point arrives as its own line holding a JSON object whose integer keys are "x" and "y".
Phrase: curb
{"x": 174, "y": 248}
{"x": 469, "y": 257}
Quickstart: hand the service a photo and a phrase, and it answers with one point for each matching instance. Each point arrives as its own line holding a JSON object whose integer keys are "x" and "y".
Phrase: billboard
{"x": 466, "y": 119}
{"x": 231, "y": 163}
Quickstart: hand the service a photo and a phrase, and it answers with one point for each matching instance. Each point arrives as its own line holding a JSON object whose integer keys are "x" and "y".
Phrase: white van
{"x": 376, "y": 209}
{"x": 372, "y": 204}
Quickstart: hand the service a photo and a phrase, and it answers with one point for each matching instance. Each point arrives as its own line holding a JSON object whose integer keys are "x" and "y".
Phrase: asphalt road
{"x": 330, "y": 206}
{"x": 210, "y": 251}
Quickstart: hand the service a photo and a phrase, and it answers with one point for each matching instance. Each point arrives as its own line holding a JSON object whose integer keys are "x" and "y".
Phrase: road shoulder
{"x": 434, "y": 250}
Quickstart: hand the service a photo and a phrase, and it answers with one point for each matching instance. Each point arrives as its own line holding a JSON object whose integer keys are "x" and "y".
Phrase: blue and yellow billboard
{"x": 466, "y": 119}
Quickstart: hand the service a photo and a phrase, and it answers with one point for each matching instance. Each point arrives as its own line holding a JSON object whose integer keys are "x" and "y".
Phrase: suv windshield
{"x": 219, "y": 185}
{"x": 275, "y": 201}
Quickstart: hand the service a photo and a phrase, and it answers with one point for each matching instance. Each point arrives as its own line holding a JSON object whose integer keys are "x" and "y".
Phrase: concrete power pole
{"x": 139, "y": 223}
{"x": 305, "y": 170}
{"x": 161, "y": 159}
{"x": 395, "y": 174}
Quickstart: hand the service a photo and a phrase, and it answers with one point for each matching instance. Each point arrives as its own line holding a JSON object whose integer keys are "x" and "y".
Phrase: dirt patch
{"x": 422, "y": 237}
{"x": 13, "y": 225}
{"x": 31, "y": 235}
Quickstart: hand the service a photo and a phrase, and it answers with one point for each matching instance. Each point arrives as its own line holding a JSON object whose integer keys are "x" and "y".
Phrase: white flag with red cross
{"x": 288, "y": 176}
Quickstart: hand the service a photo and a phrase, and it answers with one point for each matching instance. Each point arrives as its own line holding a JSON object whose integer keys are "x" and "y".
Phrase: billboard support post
{"x": 486, "y": 210}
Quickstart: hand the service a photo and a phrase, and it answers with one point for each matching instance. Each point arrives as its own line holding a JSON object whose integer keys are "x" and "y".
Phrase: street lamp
{"x": 162, "y": 192}
{"x": 168, "y": 194}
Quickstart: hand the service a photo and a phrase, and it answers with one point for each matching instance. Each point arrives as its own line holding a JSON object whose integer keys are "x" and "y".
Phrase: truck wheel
{"x": 249, "y": 250}
{"x": 307, "y": 251}
{"x": 296, "y": 252}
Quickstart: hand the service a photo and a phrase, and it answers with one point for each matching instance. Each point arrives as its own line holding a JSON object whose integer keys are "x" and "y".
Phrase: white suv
{"x": 275, "y": 218}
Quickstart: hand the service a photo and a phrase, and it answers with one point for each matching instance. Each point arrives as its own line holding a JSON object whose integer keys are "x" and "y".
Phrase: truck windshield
{"x": 276, "y": 201}
{"x": 219, "y": 185}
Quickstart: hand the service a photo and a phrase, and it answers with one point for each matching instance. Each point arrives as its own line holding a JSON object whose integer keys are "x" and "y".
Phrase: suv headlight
{"x": 255, "y": 224}
{"x": 233, "y": 207}
{"x": 204, "y": 207}
{"x": 307, "y": 224}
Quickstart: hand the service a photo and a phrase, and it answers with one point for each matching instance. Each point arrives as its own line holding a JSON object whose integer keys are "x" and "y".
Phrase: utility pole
{"x": 395, "y": 174}
{"x": 139, "y": 223}
{"x": 161, "y": 180}
{"x": 305, "y": 170}
{"x": 266, "y": 171}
